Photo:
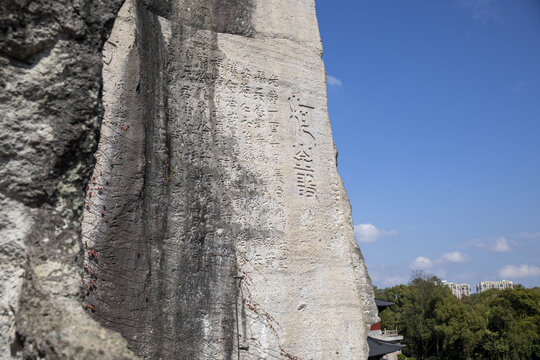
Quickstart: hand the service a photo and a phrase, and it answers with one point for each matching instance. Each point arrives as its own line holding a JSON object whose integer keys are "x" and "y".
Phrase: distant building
{"x": 459, "y": 290}
{"x": 501, "y": 285}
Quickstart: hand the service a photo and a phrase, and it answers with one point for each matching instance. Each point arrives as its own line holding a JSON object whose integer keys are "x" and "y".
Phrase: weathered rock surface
{"x": 50, "y": 70}
{"x": 221, "y": 227}
{"x": 215, "y": 223}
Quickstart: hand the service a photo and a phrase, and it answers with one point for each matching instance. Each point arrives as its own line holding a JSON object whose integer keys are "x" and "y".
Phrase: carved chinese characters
{"x": 304, "y": 143}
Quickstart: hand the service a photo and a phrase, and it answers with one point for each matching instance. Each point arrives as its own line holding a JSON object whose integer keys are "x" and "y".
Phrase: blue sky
{"x": 435, "y": 110}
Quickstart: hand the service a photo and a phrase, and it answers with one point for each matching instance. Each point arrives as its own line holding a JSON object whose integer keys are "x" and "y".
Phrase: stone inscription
{"x": 231, "y": 112}
{"x": 304, "y": 142}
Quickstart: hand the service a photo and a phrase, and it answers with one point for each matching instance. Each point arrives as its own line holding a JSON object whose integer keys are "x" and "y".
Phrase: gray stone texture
{"x": 215, "y": 225}
{"x": 50, "y": 70}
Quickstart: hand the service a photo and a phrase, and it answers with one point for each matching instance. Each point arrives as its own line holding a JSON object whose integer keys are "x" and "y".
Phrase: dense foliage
{"x": 436, "y": 325}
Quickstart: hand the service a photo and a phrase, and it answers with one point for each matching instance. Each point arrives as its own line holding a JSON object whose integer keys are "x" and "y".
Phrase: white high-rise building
{"x": 459, "y": 290}
{"x": 486, "y": 285}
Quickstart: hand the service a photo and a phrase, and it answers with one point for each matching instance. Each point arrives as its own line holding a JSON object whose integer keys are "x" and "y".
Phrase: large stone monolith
{"x": 216, "y": 225}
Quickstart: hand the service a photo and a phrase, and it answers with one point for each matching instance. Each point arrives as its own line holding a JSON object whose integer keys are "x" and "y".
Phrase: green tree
{"x": 513, "y": 323}
{"x": 436, "y": 325}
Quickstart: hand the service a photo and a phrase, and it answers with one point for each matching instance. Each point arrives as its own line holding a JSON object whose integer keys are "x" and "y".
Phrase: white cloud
{"x": 422, "y": 263}
{"x": 528, "y": 235}
{"x": 519, "y": 271}
{"x": 333, "y": 81}
{"x": 481, "y": 10}
{"x": 519, "y": 86}
{"x": 501, "y": 245}
{"x": 394, "y": 280}
{"x": 453, "y": 257}
{"x": 366, "y": 233}
{"x": 480, "y": 244}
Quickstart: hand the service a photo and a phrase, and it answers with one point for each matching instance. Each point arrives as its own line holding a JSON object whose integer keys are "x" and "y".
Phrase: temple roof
{"x": 382, "y": 303}
{"x": 380, "y": 347}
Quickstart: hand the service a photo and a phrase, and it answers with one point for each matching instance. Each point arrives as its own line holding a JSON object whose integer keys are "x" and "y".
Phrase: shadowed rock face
{"x": 215, "y": 224}
{"x": 167, "y": 263}
{"x": 220, "y": 224}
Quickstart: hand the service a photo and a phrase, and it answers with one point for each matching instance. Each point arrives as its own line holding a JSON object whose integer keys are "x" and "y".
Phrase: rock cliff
{"x": 50, "y": 110}
{"x": 214, "y": 224}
